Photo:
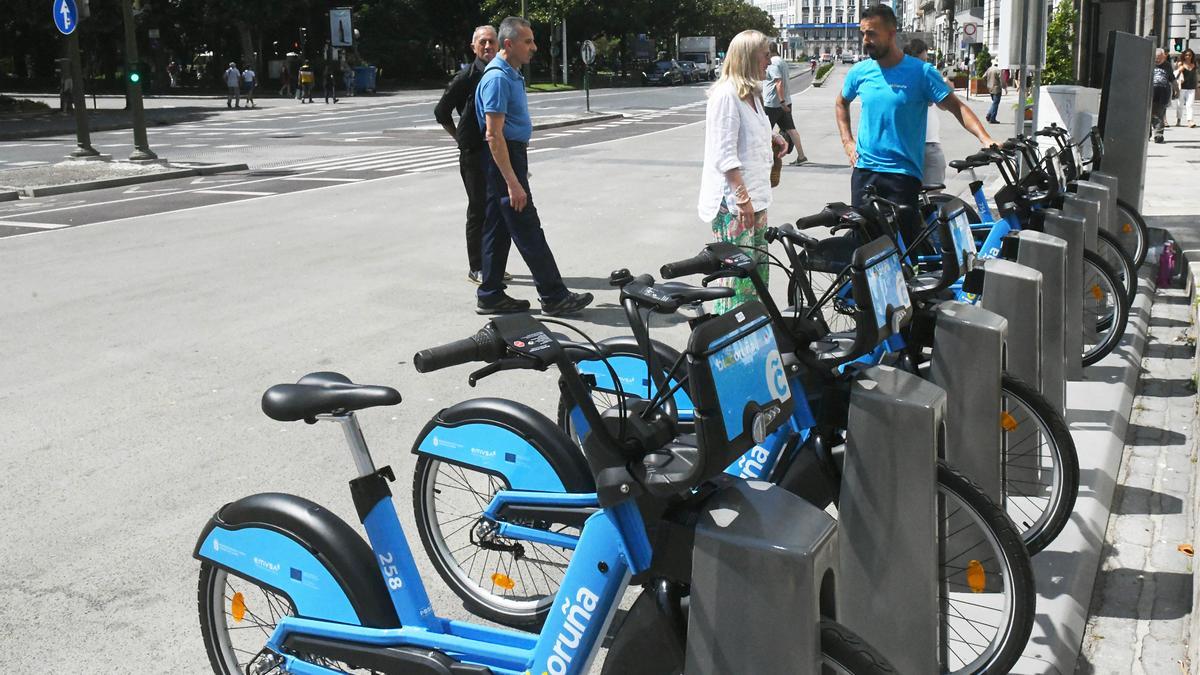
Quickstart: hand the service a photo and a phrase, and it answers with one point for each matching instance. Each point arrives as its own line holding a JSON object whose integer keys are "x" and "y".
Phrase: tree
{"x": 1060, "y": 46}
{"x": 983, "y": 61}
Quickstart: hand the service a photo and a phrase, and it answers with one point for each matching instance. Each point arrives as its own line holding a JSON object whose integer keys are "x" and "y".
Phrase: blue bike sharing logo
{"x": 777, "y": 377}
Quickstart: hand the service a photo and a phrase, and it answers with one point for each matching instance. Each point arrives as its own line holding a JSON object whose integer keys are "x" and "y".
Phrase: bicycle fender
{"x": 507, "y": 439}
{"x": 631, "y": 370}
{"x": 304, "y": 552}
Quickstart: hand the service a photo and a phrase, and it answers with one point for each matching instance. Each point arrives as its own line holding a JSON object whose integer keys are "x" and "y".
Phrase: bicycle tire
{"x": 1105, "y": 308}
{"x": 1109, "y": 248}
{"x": 1025, "y": 406}
{"x": 943, "y": 200}
{"x": 1133, "y": 233}
{"x": 842, "y": 650}
{"x": 523, "y": 605}
{"x": 1015, "y": 624}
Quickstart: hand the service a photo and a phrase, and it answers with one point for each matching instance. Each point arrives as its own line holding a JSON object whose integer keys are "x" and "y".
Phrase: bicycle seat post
{"x": 356, "y": 441}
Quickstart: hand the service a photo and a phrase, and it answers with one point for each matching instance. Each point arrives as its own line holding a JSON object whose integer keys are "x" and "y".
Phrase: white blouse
{"x": 736, "y": 135}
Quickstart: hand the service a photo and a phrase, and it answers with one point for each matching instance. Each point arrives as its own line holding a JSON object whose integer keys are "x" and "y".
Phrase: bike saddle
{"x": 323, "y": 393}
{"x": 831, "y": 254}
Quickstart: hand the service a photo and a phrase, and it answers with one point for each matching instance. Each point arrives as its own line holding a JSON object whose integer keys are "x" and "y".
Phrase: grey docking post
{"x": 887, "y": 591}
{"x": 1072, "y": 230}
{"x": 968, "y": 362}
{"x": 1014, "y": 292}
{"x": 1048, "y": 255}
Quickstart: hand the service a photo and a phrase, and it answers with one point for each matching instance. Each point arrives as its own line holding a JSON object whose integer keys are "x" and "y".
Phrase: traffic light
{"x": 1178, "y": 44}
{"x": 1192, "y": 28}
{"x": 133, "y": 74}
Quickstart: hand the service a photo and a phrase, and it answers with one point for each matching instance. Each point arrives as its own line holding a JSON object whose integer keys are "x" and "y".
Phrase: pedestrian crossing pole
{"x": 83, "y": 137}
{"x": 133, "y": 82}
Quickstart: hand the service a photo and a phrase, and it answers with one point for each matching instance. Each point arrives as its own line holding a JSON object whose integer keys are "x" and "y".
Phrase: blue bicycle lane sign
{"x": 66, "y": 15}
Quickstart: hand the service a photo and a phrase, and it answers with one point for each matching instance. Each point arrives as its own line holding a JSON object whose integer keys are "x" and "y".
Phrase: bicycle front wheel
{"x": 504, "y": 580}
{"x": 1041, "y": 468}
{"x": 986, "y": 592}
{"x": 1105, "y": 309}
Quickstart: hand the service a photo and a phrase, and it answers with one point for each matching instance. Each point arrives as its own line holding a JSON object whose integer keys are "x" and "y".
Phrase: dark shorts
{"x": 781, "y": 118}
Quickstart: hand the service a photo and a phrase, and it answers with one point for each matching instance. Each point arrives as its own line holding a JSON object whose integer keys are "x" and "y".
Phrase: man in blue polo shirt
{"x": 510, "y": 216}
{"x": 896, "y": 91}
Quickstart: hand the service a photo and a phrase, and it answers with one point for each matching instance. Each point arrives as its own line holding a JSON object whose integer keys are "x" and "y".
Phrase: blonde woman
{"x": 735, "y": 188}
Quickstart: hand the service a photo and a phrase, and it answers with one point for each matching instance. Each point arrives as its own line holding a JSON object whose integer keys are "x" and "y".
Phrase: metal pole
{"x": 566, "y": 73}
{"x": 141, "y": 144}
{"x": 83, "y": 138}
{"x": 1019, "y": 122}
{"x": 1039, "y": 33}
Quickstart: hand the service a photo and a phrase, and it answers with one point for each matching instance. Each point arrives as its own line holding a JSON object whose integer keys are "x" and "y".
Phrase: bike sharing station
{"x": 787, "y": 497}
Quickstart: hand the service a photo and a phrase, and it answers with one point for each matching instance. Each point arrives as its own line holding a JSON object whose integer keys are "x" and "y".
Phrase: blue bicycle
{"x": 986, "y": 622}
{"x": 285, "y": 586}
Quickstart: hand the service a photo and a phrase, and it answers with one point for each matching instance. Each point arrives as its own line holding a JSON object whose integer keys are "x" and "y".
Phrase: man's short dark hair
{"x": 510, "y": 29}
{"x": 774, "y": 49}
{"x": 880, "y": 12}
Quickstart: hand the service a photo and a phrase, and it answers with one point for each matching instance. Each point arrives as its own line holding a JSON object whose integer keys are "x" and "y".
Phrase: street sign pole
{"x": 83, "y": 137}
{"x": 587, "y": 51}
{"x": 141, "y": 143}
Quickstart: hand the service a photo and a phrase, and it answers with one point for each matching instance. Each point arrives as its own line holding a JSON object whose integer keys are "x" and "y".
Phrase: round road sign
{"x": 588, "y": 52}
{"x": 969, "y": 28}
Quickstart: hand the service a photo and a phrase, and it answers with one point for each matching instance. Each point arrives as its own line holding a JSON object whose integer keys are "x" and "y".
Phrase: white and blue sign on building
{"x": 66, "y": 15}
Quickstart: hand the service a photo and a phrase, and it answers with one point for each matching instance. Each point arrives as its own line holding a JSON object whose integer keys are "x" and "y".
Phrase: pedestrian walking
{"x": 307, "y": 81}
{"x": 249, "y": 82}
{"x": 285, "y": 81}
{"x": 739, "y": 149}
{"x": 66, "y": 93}
{"x": 1185, "y": 73}
{"x": 330, "y": 84}
{"x": 993, "y": 79}
{"x": 1162, "y": 81}
{"x": 511, "y": 217}
{"x": 173, "y": 73}
{"x": 459, "y": 97}
{"x": 348, "y": 78}
{"x": 935, "y": 160}
{"x": 233, "y": 86}
{"x": 896, "y": 90}
{"x": 777, "y": 98}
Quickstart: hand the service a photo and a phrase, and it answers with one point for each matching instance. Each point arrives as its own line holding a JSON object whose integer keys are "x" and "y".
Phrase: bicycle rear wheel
{"x": 986, "y": 580}
{"x": 1132, "y": 232}
{"x": 1041, "y": 468}
{"x": 1115, "y": 255}
{"x": 1105, "y": 309}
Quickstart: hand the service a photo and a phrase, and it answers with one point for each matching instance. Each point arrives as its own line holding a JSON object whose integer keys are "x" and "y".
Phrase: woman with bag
{"x": 739, "y": 146}
{"x": 1185, "y": 76}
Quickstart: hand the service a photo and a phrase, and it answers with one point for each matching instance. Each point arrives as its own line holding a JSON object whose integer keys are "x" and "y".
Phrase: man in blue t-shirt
{"x": 510, "y": 216}
{"x": 896, "y": 91}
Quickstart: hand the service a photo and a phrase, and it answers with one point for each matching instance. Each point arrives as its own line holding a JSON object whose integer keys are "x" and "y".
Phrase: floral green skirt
{"x": 729, "y": 228}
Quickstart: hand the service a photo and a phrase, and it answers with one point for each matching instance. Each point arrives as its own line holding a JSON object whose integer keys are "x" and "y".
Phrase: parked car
{"x": 690, "y": 74}
{"x": 665, "y": 72}
{"x": 847, "y": 57}
{"x": 827, "y": 58}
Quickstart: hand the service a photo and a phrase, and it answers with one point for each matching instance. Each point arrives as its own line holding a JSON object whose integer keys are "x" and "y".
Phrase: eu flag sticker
{"x": 297, "y": 575}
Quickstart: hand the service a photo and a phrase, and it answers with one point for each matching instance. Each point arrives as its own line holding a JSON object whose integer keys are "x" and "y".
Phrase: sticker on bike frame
{"x": 885, "y": 280}
{"x": 749, "y": 369}
{"x": 964, "y": 241}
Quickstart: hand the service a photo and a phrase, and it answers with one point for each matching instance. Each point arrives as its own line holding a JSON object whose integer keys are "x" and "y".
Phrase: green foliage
{"x": 983, "y": 61}
{"x": 1060, "y": 45}
{"x": 824, "y": 69}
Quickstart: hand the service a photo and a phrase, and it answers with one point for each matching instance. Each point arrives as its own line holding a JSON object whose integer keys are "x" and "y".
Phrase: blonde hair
{"x": 741, "y": 63}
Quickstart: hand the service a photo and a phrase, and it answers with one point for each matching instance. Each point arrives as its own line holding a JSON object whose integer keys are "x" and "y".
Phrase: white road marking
{"x": 39, "y": 226}
{"x": 325, "y": 178}
{"x": 236, "y": 192}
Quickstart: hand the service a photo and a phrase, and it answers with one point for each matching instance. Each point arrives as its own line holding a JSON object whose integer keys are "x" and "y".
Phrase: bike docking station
{"x": 969, "y": 334}
{"x": 1014, "y": 291}
{"x": 1048, "y": 254}
{"x": 1076, "y": 205}
{"x": 887, "y": 518}
{"x": 1113, "y": 184}
{"x": 1105, "y": 214}
{"x": 759, "y": 546}
{"x": 1073, "y": 231}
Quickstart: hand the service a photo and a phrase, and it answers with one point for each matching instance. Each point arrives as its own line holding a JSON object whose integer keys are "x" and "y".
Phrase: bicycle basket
{"x": 738, "y": 385}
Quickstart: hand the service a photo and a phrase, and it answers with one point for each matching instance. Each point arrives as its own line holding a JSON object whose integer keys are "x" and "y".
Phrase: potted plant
{"x": 983, "y": 61}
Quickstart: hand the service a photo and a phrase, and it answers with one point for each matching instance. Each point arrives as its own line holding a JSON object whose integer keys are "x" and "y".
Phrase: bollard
{"x": 1089, "y": 211}
{"x": 1071, "y": 230}
{"x": 968, "y": 361}
{"x": 1048, "y": 255}
{"x": 1014, "y": 292}
{"x": 887, "y": 588}
{"x": 760, "y": 560}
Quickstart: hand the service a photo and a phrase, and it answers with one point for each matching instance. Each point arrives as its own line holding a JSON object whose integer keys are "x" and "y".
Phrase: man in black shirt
{"x": 460, "y": 97}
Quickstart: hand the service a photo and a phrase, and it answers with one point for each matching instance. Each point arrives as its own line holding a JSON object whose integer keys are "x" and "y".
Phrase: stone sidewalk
{"x": 1140, "y": 614}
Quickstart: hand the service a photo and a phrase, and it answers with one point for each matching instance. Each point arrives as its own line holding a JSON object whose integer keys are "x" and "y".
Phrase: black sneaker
{"x": 502, "y": 304}
{"x": 572, "y": 303}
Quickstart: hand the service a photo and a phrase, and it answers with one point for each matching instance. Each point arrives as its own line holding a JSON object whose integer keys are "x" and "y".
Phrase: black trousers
{"x": 503, "y": 226}
{"x": 900, "y": 188}
{"x": 470, "y": 167}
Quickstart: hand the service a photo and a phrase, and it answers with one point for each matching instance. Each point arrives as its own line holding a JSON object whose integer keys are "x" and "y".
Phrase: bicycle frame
{"x": 611, "y": 548}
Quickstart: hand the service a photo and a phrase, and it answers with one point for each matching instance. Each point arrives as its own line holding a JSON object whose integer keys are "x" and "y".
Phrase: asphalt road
{"x": 136, "y": 352}
{"x": 292, "y": 147}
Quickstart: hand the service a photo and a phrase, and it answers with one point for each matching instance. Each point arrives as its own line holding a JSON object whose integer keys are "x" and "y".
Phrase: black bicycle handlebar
{"x": 701, "y": 263}
{"x": 825, "y": 218}
{"x": 486, "y": 345}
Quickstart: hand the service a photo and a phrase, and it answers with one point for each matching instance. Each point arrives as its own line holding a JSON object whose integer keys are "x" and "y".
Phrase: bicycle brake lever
{"x": 721, "y": 274}
{"x": 490, "y": 369}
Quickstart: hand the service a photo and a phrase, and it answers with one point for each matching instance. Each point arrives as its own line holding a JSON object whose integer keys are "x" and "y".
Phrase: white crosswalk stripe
{"x": 422, "y": 157}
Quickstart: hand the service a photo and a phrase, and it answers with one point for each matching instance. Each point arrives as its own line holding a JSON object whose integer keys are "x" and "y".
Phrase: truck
{"x": 701, "y": 51}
